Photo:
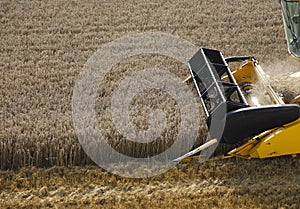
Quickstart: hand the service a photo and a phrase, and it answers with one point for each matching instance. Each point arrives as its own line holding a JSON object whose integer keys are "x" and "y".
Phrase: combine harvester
{"x": 257, "y": 119}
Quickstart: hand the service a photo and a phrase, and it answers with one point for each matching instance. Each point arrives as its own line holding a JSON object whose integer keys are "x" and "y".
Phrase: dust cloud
{"x": 284, "y": 77}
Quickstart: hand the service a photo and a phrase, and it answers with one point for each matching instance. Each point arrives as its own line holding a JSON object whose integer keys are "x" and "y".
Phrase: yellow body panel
{"x": 282, "y": 141}
{"x": 277, "y": 142}
{"x": 245, "y": 73}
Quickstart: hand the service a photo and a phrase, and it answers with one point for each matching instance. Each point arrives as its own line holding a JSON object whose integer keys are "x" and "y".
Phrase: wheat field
{"x": 44, "y": 46}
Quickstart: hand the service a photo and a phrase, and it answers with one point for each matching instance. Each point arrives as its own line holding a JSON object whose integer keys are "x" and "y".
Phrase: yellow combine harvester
{"x": 257, "y": 119}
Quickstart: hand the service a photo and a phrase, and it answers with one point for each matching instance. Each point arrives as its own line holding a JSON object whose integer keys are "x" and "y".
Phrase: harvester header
{"x": 257, "y": 119}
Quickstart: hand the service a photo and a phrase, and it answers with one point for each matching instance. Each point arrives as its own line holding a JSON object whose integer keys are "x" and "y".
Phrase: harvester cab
{"x": 291, "y": 16}
{"x": 256, "y": 117}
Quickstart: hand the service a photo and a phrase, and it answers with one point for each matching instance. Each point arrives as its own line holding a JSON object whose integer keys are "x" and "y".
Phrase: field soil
{"x": 44, "y": 46}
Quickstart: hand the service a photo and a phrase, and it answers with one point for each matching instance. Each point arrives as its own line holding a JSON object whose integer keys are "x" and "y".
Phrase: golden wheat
{"x": 44, "y": 49}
